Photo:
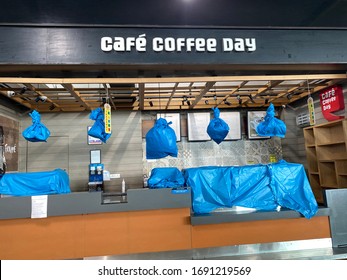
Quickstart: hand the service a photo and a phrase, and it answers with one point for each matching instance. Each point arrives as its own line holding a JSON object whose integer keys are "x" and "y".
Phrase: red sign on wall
{"x": 331, "y": 100}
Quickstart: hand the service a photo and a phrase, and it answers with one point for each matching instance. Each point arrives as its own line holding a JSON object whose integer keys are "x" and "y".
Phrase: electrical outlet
{"x": 115, "y": 176}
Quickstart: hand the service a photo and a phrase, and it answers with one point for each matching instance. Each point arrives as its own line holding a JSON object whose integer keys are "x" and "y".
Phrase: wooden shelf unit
{"x": 326, "y": 153}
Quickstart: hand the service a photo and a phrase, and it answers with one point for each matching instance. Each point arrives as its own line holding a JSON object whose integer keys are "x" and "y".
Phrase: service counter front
{"x": 80, "y": 225}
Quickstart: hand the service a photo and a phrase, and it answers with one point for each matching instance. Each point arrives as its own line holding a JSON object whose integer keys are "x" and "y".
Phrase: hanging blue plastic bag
{"x": 37, "y": 132}
{"x": 161, "y": 140}
{"x": 217, "y": 128}
{"x": 165, "y": 177}
{"x": 98, "y": 128}
{"x": 271, "y": 126}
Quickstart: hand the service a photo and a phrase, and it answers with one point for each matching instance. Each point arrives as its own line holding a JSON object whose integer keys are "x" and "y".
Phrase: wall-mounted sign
{"x": 254, "y": 118}
{"x": 197, "y": 126}
{"x": 9, "y": 142}
{"x": 107, "y": 117}
{"x": 331, "y": 100}
{"x": 171, "y": 44}
{"x": 92, "y": 140}
{"x": 175, "y": 118}
{"x": 233, "y": 119}
{"x": 311, "y": 114}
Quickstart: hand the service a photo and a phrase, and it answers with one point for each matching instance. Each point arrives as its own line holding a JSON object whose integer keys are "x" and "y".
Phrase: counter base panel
{"x": 237, "y": 233}
{"x": 80, "y": 236}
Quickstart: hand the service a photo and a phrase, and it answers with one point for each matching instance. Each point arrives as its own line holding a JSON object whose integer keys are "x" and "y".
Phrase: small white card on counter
{"x": 39, "y": 206}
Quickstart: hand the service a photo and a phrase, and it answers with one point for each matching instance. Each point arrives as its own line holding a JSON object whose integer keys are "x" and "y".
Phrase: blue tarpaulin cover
{"x": 263, "y": 187}
{"x": 35, "y": 183}
{"x": 98, "y": 128}
{"x": 37, "y": 132}
{"x": 271, "y": 126}
{"x": 165, "y": 177}
{"x": 217, "y": 129}
{"x": 161, "y": 140}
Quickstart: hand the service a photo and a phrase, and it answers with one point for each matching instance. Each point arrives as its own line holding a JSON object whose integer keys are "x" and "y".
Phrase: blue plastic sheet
{"x": 217, "y": 129}
{"x": 98, "y": 128}
{"x": 35, "y": 183}
{"x": 165, "y": 177}
{"x": 161, "y": 141}
{"x": 263, "y": 187}
{"x": 271, "y": 126}
{"x": 37, "y": 132}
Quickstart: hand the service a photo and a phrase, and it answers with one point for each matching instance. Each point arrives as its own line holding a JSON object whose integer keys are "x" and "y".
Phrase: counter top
{"x": 234, "y": 216}
{"x": 76, "y": 203}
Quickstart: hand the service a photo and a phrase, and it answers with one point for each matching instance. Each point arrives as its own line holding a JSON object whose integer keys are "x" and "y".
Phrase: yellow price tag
{"x": 107, "y": 118}
{"x": 311, "y": 113}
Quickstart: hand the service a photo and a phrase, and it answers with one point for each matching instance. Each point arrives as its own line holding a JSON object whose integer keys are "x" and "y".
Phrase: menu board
{"x": 233, "y": 119}
{"x": 254, "y": 118}
{"x": 197, "y": 126}
{"x": 176, "y": 122}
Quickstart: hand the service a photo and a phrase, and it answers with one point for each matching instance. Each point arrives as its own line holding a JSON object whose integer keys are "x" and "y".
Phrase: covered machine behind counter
{"x": 265, "y": 187}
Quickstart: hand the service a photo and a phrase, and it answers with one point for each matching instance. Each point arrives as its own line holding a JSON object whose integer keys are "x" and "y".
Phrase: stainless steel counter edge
{"x": 76, "y": 203}
{"x": 233, "y": 216}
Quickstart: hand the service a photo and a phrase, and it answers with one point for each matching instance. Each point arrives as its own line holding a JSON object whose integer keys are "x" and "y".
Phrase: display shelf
{"x": 332, "y": 152}
{"x": 329, "y": 133}
{"x": 328, "y": 178}
{"x": 326, "y": 153}
{"x": 342, "y": 181}
{"x": 309, "y": 137}
{"x": 316, "y": 188}
{"x": 312, "y": 159}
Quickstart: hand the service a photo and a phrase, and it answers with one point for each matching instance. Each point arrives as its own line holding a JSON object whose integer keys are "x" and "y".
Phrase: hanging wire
{"x": 308, "y": 89}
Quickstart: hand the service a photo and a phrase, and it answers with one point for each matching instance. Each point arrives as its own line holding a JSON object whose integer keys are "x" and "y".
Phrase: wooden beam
{"x": 168, "y": 79}
{"x": 38, "y": 92}
{"x": 76, "y": 95}
{"x": 141, "y": 96}
{"x": 233, "y": 91}
{"x": 207, "y": 87}
{"x": 172, "y": 94}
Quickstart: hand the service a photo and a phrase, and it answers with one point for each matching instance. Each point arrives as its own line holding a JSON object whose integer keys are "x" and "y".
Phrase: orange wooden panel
{"x": 106, "y": 234}
{"x": 159, "y": 230}
{"x": 259, "y": 232}
{"x": 49, "y": 238}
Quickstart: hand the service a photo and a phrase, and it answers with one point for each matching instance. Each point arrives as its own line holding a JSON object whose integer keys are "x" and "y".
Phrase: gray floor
{"x": 316, "y": 249}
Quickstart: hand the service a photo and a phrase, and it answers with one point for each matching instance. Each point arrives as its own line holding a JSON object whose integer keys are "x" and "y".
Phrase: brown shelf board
{"x": 330, "y": 187}
{"x": 332, "y": 143}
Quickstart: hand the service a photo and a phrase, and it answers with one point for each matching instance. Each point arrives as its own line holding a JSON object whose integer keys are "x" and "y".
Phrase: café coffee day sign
{"x": 331, "y": 100}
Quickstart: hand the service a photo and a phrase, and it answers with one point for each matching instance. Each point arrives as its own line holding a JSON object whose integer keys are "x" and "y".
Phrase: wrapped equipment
{"x": 271, "y": 126}
{"x": 217, "y": 128}
{"x": 98, "y": 128}
{"x": 161, "y": 140}
{"x": 37, "y": 132}
{"x": 35, "y": 183}
{"x": 263, "y": 187}
{"x": 165, "y": 177}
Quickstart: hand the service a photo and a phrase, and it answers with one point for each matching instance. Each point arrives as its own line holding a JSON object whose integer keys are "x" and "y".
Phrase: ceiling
{"x": 80, "y": 88}
{"x": 168, "y": 93}
{"x": 239, "y": 13}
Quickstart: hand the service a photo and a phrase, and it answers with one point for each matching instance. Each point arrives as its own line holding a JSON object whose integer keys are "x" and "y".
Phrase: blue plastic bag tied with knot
{"x": 98, "y": 128}
{"x": 37, "y": 132}
{"x": 161, "y": 140}
{"x": 271, "y": 126}
{"x": 217, "y": 128}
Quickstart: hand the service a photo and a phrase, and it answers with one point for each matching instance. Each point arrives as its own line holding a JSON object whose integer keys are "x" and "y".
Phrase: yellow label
{"x": 107, "y": 118}
{"x": 273, "y": 158}
{"x": 311, "y": 113}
